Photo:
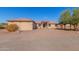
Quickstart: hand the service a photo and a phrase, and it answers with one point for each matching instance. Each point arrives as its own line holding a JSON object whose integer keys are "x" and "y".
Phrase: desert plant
{"x": 12, "y": 27}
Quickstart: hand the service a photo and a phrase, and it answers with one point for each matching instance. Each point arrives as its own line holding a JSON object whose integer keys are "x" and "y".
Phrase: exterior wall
{"x": 23, "y": 25}
{"x": 52, "y": 26}
{"x": 48, "y": 26}
{"x": 38, "y": 26}
{"x": 68, "y": 26}
{"x": 34, "y": 25}
{"x": 31, "y": 25}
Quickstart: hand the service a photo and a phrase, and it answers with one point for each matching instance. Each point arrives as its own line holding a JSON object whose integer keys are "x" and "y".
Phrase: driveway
{"x": 39, "y": 40}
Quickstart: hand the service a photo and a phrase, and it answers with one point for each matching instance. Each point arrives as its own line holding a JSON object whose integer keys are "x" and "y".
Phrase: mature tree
{"x": 65, "y": 18}
{"x": 75, "y": 18}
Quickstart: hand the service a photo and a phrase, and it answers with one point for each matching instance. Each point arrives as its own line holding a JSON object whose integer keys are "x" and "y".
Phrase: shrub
{"x": 12, "y": 27}
{"x": 2, "y": 25}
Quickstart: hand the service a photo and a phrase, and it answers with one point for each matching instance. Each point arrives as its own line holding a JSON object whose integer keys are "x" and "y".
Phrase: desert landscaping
{"x": 39, "y": 40}
{"x": 28, "y": 34}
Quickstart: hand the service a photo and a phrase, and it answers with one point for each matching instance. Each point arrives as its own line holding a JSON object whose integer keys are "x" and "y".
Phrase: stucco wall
{"x": 23, "y": 25}
{"x": 52, "y": 26}
{"x": 47, "y": 26}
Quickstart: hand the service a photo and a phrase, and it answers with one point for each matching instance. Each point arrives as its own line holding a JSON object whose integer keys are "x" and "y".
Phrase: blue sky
{"x": 35, "y": 13}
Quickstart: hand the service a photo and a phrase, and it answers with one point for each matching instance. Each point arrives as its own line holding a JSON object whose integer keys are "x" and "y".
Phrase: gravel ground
{"x": 39, "y": 40}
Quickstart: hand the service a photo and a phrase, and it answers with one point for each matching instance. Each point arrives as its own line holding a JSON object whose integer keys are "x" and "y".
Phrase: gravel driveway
{"x": 39, "y": 40}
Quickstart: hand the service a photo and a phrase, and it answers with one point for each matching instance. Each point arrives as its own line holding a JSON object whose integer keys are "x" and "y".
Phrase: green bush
{"x": 12, "y": 27}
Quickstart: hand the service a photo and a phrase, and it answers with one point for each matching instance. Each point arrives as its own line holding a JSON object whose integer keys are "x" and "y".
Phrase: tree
{"x": 75, "y": 18}
{"x": 65, "y": 18}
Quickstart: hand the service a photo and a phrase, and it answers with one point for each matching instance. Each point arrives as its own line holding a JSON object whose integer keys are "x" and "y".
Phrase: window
{"x": 49, "y": 25}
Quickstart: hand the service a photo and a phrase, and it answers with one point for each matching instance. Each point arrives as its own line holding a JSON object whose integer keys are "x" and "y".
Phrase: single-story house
{"x": 23, "y": 24}
{"x": 46, "y": 24}
{"x": 28, "y": 24}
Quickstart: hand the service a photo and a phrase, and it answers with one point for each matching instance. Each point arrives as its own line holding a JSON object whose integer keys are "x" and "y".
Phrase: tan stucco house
{"x": 46, "y": 24}
{"x": 23, "y": 24}
{"x": 28, "y": 24}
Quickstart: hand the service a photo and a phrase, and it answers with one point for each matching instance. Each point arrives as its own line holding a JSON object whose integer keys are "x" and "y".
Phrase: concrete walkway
{"x": 39, "y": 40}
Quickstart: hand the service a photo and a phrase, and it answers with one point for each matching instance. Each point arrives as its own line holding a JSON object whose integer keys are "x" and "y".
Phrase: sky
{"x": 35, "y": 13}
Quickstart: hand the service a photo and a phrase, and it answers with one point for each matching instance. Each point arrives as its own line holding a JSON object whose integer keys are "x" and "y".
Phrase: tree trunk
{"x": 61, "y": 26}
{"x": 75, "y": 27}
{"x": 64, "y": 26}
{"x": 70, "y": 27}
